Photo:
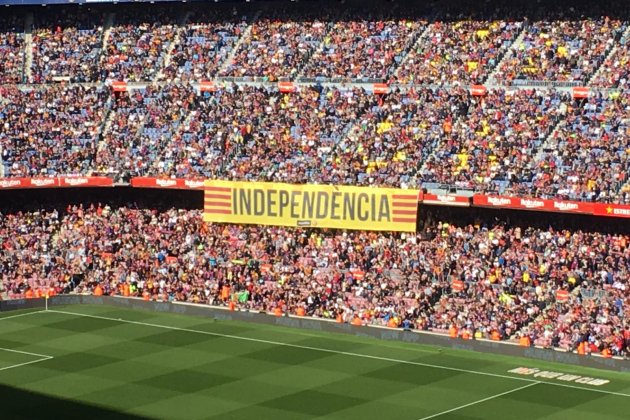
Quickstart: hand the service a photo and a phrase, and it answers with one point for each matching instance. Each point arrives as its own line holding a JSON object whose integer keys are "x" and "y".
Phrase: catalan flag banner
{"x": 317, "y": 206}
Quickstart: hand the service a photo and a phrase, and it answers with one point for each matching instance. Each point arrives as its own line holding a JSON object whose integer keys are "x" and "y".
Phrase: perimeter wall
{"x": 382, "y": 333}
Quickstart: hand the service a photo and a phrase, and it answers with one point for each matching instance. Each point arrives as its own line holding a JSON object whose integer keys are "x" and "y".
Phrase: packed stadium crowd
{"x": 66, "y": 46}
{"x": 562, "y": 51}
{"x": 448, "y": 43}
{"x": 52, "y": 131}
{"x": 538, "y": 143}
{"x": 11, "y": 49}
{"x": 528, "y": 142}
{"x": 561, "y": 288}
{"x": 493, "y": 281}
{"x": 457, "y": 52}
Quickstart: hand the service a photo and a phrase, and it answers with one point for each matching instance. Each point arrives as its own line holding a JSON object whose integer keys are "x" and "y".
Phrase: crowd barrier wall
{"x": 382, "y": 333}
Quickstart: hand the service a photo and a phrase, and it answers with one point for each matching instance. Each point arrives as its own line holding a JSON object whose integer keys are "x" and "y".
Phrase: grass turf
{"x": 180, "y": 367}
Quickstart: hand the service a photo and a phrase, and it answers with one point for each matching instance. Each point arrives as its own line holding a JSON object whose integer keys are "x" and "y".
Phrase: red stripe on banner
{"x": 399, "y": 204}
{"x": 217, "y": 211}
{"x": 219, "y": 196}
{"x": 221, "y": 189}
{"x": 413, "y": 212}
{"x": 404, "y": 220}
{"x": 218, "y": 204}
{"x": 404, "y": 197}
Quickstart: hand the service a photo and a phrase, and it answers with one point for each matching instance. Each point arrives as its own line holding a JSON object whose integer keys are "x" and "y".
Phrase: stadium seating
{"x": 614, "y": 72}
{"x": 67, "y": 46}
{"x": 205, "y": 44}
{"x": 510, "y": 277}
{"x": 525, "y": 133}
{"x": 458, "y": 52}
{"x": 177, "y": 45}
{"x": 278, "y": 45}
{"x": 587, "y": 158}
{"x": 142, "y": 123}
{"x": 363, "y": 48}
{"x": 11, "y": 49}
{"x": 137, "y": 44}
{"x": 51, "y": 131}
{"x": 561, "y": 50}
{"x": 495, "y": 141}
{"x": 506, "y": 141}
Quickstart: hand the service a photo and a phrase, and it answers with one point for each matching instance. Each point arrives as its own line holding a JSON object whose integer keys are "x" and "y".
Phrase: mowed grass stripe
{"x": 345, "y": 353}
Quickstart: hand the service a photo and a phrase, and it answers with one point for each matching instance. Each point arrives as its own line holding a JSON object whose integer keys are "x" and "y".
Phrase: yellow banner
{"x": 320, "y": 206}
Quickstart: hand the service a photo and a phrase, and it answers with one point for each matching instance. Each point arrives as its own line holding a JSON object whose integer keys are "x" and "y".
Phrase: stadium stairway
{"x": 176, "y": 40}
{"x": 105, "y": 128}
{"x": 319, "y": 49}
{"x": 107, "y": 30}
{"x": 611, "y": 53}
{"x": 491, "y": 80}
{"x": 1, "y": 164}
{"x": 418, "y": 36}
{"x": 28, "y": 45}
{"x": 244, "y": 35}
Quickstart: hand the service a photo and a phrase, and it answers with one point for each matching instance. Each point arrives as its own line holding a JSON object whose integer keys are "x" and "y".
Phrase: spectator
{"x": 510, "y": 275}
{"x": 561, "y": 50}
{"x": 278, "y": 45}
{"x": 137, "y": 44}
{"x": 67, "y": 45}
{"x": 11, "y": 49}
{"x": 51, "y": 131}
{"x": 457, "y": 52}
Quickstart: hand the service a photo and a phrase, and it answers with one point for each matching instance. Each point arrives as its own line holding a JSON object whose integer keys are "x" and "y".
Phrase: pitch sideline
{"x": 492, "y": 397}
{"x": 42, "y": 357}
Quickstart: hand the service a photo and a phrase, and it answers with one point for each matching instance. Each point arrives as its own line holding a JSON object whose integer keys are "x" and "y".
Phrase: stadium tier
{"x": 486, "y": 100}
{"x": 519, "y": 107}
{"x": 558, "y": 287}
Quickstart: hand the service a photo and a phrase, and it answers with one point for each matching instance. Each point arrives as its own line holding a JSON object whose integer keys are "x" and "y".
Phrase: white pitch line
{"x": 19, "y": 315}
{"x": 480, "y": 401}
{"x": 26, "y": 363}
{"x": 345, "y": 353}
{"x": 25, "y": 352}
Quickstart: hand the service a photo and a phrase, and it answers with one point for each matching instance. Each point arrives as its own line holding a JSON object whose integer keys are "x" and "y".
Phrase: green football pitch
{"x": 97, "y": 362}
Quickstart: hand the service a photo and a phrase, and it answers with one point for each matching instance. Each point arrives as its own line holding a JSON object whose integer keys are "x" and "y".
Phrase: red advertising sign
{"x": 580, "y": 92}
{"x": 478, "y": 90}
{"x": 175, "y": 183}
{"x": 42, "y": 182}
{"x": 571, "y": 206}
{"x": 63, "y": 181}
{"x": 446, "y": 200}
{"x": 380, "y": 88}
{"x": 519, "y": 203}
{"x": 611, "y": 210}
{"x": 286, "y": 87}
{"x": 207, "y": 86}
{"x": 119, "y": 86}
{"x": 85, "y": 181}
{"x": 9, "y": 183}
